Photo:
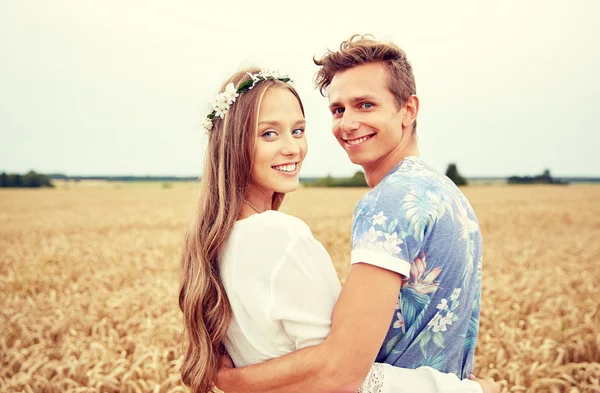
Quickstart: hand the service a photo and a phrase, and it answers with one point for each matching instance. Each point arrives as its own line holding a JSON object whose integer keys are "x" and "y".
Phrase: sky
{"x": 119, "y": 87}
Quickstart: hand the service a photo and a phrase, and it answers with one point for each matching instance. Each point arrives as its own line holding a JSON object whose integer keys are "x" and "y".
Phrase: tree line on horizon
{"x": 544, "y": 178}
{"x": 33, "y": 179}
{"x": 29, "y": 180}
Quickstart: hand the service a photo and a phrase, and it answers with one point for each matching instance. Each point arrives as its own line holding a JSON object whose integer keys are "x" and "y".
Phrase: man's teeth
{"x": 286, "y": 168}
{"x": 359, "y": 140}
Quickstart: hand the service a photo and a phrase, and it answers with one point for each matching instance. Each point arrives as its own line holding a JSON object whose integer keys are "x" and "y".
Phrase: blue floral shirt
{"x": 418, "y": 223}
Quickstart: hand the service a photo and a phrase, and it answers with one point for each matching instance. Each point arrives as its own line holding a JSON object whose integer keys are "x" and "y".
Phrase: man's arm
{"x": 360, "y": 321}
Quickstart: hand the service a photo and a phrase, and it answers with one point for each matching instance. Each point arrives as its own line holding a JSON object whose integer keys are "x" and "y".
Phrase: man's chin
{"x": 358, "y": 159}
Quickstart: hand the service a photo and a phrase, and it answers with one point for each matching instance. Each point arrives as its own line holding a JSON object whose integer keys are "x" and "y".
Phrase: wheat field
{"x": 89, "y": 281}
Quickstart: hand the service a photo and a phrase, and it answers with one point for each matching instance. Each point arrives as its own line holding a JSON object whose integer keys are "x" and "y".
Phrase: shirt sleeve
{"x": 385, "y": 378}
{"x": 383, "y": 234}
{"x": 304, "y": 290}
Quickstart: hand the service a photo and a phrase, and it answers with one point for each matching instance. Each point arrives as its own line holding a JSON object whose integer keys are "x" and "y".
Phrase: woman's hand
{"x": 486, "y": 386}
{"x": 225, "y": 365}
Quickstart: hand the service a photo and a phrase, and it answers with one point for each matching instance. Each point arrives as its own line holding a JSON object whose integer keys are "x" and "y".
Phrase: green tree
{"x": 357, "y": 180}
{"x": 15, "y": 180}
{"x": 32, "y": 180}
{"x": 325, "y": 181}
{"x": 455, "y": 176}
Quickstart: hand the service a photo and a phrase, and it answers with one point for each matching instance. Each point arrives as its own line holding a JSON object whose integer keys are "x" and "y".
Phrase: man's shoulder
{"x": 416, "y": 176}
{"x": 415, "y": 193}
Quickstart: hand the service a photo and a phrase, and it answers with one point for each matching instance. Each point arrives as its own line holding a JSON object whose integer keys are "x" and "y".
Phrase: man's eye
{"x": 367, "y": 105}
{"x": 338, "y": 111}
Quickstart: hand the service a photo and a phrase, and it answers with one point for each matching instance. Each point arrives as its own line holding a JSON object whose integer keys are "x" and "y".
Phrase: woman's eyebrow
{"x": 276, "y": 122}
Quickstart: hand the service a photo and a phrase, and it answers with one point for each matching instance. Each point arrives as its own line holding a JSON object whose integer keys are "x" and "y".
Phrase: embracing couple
{"x": 261, "y": 293}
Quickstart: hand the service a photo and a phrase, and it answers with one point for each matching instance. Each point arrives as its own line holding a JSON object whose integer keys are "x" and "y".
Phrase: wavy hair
{"x": 227, "y": 176}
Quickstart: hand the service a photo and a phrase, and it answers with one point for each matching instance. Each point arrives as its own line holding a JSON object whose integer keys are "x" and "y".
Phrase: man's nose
{"x": 349, "y": 122}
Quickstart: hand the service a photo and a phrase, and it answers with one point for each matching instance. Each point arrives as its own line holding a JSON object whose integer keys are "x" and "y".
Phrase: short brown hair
{"x": 364, "y": 49}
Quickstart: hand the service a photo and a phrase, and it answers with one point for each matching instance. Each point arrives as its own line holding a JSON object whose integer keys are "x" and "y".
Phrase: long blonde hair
{"x": 227, "y": 176}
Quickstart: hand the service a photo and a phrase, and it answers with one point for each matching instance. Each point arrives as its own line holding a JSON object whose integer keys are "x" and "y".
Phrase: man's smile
{"x": 359, "y": 140}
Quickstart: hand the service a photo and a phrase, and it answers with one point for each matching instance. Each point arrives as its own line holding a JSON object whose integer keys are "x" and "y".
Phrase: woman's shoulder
{"x": 256, "y": 247}
{"x": 276, "y": 223}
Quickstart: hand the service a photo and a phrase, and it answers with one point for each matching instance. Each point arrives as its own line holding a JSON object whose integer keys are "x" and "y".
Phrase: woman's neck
{"x": 256, "y": 202}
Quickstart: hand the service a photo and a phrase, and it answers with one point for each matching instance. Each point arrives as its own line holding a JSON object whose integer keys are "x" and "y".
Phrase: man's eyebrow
{"x": 354, "y": 100}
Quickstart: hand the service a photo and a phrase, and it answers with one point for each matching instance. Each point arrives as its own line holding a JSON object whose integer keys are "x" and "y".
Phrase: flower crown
{"x": 224, "y": 100}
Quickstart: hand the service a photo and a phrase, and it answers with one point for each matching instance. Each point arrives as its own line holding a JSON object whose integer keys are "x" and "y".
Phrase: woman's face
{"x": 280, "y": 145}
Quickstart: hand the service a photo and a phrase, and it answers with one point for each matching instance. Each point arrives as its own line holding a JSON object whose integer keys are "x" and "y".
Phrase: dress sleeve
{"x": 385, "y": 378}
{"x": 305, "y": 288}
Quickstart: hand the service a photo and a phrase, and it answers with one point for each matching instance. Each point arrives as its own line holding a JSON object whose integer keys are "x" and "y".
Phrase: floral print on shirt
{"x": 419, "y": 216}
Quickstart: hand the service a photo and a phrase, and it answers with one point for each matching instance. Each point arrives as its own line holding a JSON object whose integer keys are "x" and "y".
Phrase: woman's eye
{"x": 269, "y": 134}
{"x": 298, "y": 131}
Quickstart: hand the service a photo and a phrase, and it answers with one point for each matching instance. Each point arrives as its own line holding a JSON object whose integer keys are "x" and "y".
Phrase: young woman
{"x": 255, "y": 282}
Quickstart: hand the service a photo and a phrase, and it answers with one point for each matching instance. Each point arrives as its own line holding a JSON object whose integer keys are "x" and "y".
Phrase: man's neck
{"x": 376, "y": 172}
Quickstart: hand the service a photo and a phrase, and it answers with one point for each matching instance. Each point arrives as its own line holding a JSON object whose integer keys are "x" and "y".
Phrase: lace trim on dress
{"x": 374, "y": 381}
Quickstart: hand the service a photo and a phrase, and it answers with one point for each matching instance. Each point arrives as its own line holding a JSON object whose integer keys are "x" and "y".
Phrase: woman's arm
{"x": 345, "y": 359}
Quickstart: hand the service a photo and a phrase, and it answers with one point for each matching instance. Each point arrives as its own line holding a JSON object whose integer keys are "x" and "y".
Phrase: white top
{"x": 282, "y": 288}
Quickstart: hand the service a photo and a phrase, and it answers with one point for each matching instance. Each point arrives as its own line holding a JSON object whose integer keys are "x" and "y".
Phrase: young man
{"x": 415, "y": 280}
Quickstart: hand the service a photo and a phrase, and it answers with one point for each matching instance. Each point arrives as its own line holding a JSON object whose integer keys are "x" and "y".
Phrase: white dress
{"x": 282, "y": 287}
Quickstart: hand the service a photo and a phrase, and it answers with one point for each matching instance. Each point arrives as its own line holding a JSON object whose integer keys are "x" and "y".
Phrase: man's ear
{"x": 411, "y": 108}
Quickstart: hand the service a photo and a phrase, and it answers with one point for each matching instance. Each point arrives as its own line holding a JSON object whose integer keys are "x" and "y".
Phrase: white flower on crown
{"x": 230, "y": 93}
{"x": 221, "y": 105}
{"x": 254, "y": 77}
{"x": 268, "y": 74}
{"x": 207, "y": 124}
{"x": 221, "y": 110}
{"x": 223, "y": 101}
{"x": 220, "y": 101}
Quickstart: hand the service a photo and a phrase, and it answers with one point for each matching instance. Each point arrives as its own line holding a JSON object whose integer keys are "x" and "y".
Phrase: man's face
{"x": 366, "y": 119}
